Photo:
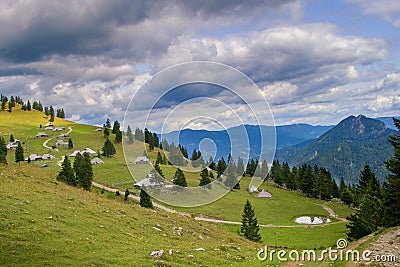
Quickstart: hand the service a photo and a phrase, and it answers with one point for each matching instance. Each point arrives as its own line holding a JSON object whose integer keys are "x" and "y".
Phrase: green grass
{"x": 43, "y": 222}
{"x": 82, "y": 232}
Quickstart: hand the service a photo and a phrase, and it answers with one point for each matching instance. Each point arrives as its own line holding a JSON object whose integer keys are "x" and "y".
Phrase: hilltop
{"x": 346, "y": 148}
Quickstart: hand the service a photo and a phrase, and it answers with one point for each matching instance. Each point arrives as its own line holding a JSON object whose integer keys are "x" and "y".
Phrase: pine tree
{"x": 70, "y": 144}
{"x": 130, "y": 135}
{"x": 127, "y": 193}
{"x": 9, "y": 107}
{"x": 28, "y": 106}
{"x": 3, "y": 151}
{"x": 108, "y": 148}
{"x": 3, "y": 104}
{"x": 106, "y": 132}
{"x": 66, "y": 173}
{"x": 84, "y": 172}
{"x": 179, "y": 178}
{"x": 156, "y": 175}
{"x": 221, "y": 166}
{"x": 19, "y": 154}
{"x": 108, "y": 123}
{"x": 145, "y": 200}
{"x": 369, "y": 216}
{"x": 51, "y": 112}
{"x": 250, "y": 228}
{"x": 115, "y": 128}
{"x": 240, "y": 167}
{"x": 159, "y": 158}
{"x": 205, "y": 179}
{"x": 12, "y": 138}
{"x": 231, "y": 180}
{"x": 392, "y": 186}
{"x": 118, "y": 137}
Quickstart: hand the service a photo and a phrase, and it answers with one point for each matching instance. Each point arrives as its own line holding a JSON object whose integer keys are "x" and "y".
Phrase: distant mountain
{"x": 388, "y": 122}
{"x": 286, "y": 135}
{"x": 346, "y": 148}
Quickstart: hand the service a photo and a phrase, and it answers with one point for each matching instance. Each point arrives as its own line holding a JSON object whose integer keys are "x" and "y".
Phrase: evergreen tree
{"x": 127, "y": 193}
{"x": 179, "y": 178}
{"x": 240, "y": 167}
{"x": 159, "y": 158}
{"x": 51, "y": 111}
{"x": 347, "y": 196}
{"x": 369, "y": 216}
{"x": 392, "y": 186}
{"x": 335, "y": 189}
{"x": 28, "y": 106}
{"x": 12, "y": 138}
{"x": 145, "y": 200}
{"x": 46, "y": 111}
{"x": 106, "y": 132}
{"x": 84, "y": 172}
{"x": 3, "y": 105}
{"x": 165, "y": 160}
{"x": 66, "y": 173}
{"x": 155, "y": 140}
{"x": 108, "y": 123}
{"x": 118, "y": 137}
{"x": 70, "y": 144}
{"x": 221, "y": 166}
{"x": 157, "y": 175}
{"x": 9, "y": 107}
{"x": 264, "y": 169}
{"x": 205, "y": 179}
{"x": 115, "y": 128}
{"x": 276, "y": 173}
{"x": 19, "y": 154}
{"x": 231, "y": 180}
{"x": 3, "y": 151}
{"x": 108, "y": 148}
{"x": 250, "y": 228}
{"x": 130, "y": 135}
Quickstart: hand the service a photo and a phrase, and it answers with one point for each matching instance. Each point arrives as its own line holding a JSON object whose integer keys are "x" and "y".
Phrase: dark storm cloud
{"x": 18, "y": 71}
{"x": 36, "y": 29}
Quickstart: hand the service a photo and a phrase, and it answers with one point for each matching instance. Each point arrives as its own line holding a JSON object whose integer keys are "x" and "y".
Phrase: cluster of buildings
{"x": 36, "y": 157}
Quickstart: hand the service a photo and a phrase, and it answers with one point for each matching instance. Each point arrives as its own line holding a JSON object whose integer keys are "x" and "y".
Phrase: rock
{"x": 170, "y": 251}
{"x": 157, "y": 229}
{"x": 190, "y": 256}
{"x": 157, "y": 253}
{"x": 50, "y": 218}
{"x": 200, "y": 249}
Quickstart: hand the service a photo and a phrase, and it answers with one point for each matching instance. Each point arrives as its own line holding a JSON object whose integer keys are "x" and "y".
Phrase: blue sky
{"x": 314, "y": 61}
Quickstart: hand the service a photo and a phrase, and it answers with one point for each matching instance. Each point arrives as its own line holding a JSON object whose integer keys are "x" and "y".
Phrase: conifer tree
{"x": 392, "y": 185}
{"x": 51, "y": 112}
{"x": 205, "y": 179}
{"x": 70, "y": 144}
{"x": 240, "y": 167}
{"x": 9, "y": 107}
{"x": 221, "y": 166}
{"x": 3, "y": 104}
{"x": 19, "y": 154}
{"x": 3, "y": 151}
{"x": 179, "y": 178}
{"x": 231, "y": 180}
{"x": 66, "y": 173}
{"x": 106, "y": 132}
{"x": 12, "y": 138}
{"x": 108, "y": 148}
{"x": 28, "y": 106}
{"x": 127, "y": 193}
{"x": 118, "y": 137}
{"x": 115, "y": 128}
{"x": 108, "y": 123}
{"x": 145, "y": 200}
{"x": 250, "y": 228}
{"x": 129, "y": 135}
{"x": 159, "y": 159}
{"x": 84, "y": 172}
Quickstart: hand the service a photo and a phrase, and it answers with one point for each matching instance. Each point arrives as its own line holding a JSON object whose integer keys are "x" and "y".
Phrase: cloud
{"x": 389, "y": 10}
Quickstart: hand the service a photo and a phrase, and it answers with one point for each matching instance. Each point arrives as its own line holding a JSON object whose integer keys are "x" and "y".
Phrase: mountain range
{"x": 343, "y": 149}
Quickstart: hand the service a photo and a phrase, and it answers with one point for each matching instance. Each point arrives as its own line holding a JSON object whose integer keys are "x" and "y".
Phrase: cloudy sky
{"x": 315, "y": 61}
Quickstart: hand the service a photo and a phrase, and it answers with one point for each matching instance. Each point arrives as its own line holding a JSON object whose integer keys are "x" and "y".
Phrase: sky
{"x": 314, "y": 61}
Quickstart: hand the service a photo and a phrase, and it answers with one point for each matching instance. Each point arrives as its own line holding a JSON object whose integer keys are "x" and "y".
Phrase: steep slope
{"x": 346, "y": 148}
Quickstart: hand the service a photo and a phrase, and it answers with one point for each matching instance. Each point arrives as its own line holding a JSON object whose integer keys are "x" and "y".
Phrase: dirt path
{"x": 332, "y": 213}
{"x": 45, "y": 142}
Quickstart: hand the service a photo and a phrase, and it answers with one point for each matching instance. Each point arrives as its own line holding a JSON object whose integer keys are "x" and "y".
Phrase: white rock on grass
{"x": 157, "y": 253}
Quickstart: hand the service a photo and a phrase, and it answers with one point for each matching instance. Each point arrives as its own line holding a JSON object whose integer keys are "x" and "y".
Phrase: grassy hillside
{"x": 53, "y": 224}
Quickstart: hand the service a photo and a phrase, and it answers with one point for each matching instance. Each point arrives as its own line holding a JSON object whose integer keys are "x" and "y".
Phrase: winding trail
{"x": 51, "y": 138}
{"x": 213, "y": 220}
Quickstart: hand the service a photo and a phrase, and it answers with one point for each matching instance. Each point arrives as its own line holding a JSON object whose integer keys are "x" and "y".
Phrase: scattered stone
{"x": 200, "y": 249}
{"x": 50, "y": 218}
{"x": 101, "y": 226}
{"x": 157, "y": 229}
{"x": 170, "y": 251}
{"x": 190, "y": 256}
{"x": 157, "y": 253}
